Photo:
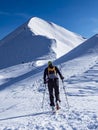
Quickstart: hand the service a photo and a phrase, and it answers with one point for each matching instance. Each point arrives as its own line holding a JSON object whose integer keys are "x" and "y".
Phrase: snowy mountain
{"x": 36, "y": 40}
{"x": 22, "y": 90}
{"x": 89, "y": 47}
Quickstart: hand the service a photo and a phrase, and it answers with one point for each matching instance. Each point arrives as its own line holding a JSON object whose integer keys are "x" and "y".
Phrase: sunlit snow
{"x": 22, "y": 89}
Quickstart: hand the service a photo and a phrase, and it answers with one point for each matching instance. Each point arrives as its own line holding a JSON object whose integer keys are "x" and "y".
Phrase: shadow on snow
{"x": 15, "y": 117}
{"x": 11, "y": 81}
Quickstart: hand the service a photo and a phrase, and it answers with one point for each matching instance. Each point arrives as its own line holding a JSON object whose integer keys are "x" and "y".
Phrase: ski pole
{"x": 43, "y": 97}
{"x": 65, "y": 94}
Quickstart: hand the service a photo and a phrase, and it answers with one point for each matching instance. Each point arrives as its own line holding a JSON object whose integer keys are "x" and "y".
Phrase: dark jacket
{"x": 46, "y": 75}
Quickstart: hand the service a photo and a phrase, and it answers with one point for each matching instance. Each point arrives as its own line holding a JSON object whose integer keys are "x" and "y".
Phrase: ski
{"x": 56, "y": 111}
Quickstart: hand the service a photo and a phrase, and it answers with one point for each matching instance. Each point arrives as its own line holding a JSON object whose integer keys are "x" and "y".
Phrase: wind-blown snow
{"x": 64, "y": 39}
{"x": 36, "y": 40}
{"x": 22, "y": 89}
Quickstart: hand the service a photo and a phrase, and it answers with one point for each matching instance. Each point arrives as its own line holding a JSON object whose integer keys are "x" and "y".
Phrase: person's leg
{"x": 50, "y": 88}
{"x": 57, "y": 96}
{"x": 56, "y": 88}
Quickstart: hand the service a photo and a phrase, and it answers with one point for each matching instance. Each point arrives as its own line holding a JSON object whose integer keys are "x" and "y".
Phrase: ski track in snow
{"x": 73, "y": 121}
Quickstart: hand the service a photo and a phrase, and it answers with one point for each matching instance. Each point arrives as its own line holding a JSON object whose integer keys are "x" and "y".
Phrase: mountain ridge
{"x": 89, "y": 46}
{"x": 36, "y": 35}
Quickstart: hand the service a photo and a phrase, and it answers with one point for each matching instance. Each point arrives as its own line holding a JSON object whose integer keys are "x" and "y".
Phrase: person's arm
{"x": 45, "y": 74}
{"x": 57, "y": 70}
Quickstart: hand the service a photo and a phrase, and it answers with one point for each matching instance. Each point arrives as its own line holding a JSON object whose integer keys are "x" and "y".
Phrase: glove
{"x": 62, "y": 78}
{"x": 45, "y": 81}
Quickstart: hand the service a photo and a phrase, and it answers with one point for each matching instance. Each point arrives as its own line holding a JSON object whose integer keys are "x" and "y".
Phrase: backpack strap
{"x": 51, "y": 70}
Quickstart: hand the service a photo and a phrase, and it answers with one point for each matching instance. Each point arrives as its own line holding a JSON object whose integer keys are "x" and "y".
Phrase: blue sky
{"x": 79, "y": 16}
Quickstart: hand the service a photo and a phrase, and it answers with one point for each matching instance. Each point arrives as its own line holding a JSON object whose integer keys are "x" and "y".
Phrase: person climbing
{"x": 51, "y": 78}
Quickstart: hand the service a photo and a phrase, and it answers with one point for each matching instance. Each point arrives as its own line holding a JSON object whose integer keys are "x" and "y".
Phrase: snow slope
{"x": 89, "y": 47}
{"x": 64, "y": 39}
{"x": 36, "y": 40}
{"x": 21, "y": 93}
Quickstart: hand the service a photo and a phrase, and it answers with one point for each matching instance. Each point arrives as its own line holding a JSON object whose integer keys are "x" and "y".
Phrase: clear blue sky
{"x": 79, "y": 16}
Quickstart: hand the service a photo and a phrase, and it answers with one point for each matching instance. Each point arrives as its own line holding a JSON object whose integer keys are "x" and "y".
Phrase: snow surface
{"x": 36, "y": 40}
{"x": 64, "y": 39}
{"x": 22, "y": 89}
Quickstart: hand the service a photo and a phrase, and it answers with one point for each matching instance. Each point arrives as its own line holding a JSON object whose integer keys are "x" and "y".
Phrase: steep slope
{"x": 64, "y": 39}
{"x": 88, "y": 48}
{"x": 36, "y": 40}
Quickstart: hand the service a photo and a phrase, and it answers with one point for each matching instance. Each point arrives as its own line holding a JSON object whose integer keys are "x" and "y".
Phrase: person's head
{"x": 49, "y": 63}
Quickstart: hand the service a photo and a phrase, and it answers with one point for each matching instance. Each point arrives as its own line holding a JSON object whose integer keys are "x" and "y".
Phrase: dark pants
{"x": 53, "y": 87}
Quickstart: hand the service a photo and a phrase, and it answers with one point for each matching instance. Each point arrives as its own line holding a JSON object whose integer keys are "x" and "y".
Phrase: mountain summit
{"x": 64, "y": 40}
{"x": 37, "y": 39}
